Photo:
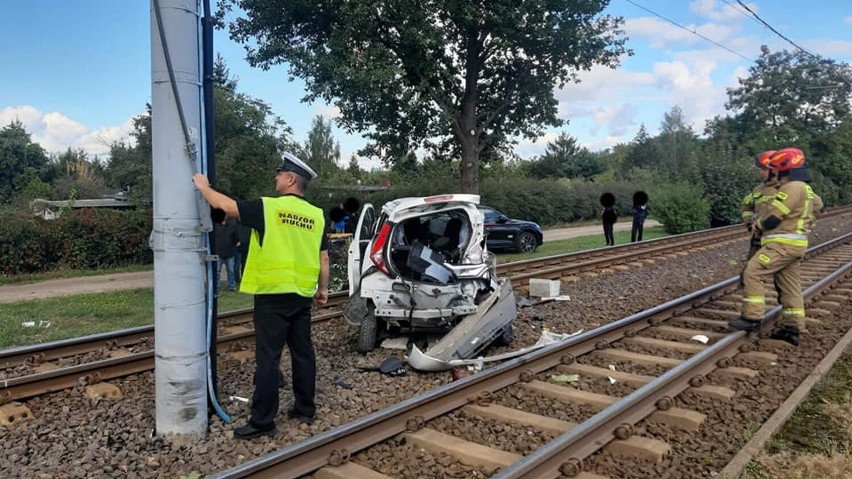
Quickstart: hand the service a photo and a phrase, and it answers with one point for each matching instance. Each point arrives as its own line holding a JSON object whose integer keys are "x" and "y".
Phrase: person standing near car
{"x": 609, "y": 215}
{"x": 287, "y": 266}
{"x": 640, "y": 212}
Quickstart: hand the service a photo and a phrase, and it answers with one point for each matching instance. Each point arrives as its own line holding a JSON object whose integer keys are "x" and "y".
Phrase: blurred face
{"x": 764, "y": 173}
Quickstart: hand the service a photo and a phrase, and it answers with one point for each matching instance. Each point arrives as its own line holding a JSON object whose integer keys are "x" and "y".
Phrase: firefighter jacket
{"x": 288, "y": 261}
{"x": 755, "y": 202}
{"x": 795, "y": 204}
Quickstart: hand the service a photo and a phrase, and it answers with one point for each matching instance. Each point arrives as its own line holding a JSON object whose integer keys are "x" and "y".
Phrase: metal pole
{"x": 179, "y": 256}
{"x": 210, "y": 127}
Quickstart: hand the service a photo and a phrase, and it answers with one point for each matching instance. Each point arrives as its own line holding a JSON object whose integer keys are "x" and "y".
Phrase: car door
{"x": 360, "y": 240}
{"x": 499, "y": 235}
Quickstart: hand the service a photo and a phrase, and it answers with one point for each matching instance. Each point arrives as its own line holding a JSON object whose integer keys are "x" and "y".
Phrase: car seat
{"x": 450, "y": 241}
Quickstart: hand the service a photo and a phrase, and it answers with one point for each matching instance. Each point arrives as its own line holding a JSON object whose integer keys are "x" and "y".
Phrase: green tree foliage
{"x": 129, "y": 166}
{"x": 680, "y": 207}
{"x": 413, "y": 74}
{"x": 79, "y": 173}
{"x": 21, "y": 160}
{"x": 676, "y": 148}
{"x": 564, "y": 158}
{"x": 793, "y": 91}
{"x": 322, "y": 151}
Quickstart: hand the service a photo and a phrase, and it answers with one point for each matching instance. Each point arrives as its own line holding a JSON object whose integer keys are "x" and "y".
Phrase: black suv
{"x": 503, "y": 232}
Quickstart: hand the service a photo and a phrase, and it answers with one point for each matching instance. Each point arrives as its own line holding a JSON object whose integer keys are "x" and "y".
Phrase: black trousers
{"x": 636, "y": 231}
{"x": 610, "y": 239}
{"x": 282, "y": 319}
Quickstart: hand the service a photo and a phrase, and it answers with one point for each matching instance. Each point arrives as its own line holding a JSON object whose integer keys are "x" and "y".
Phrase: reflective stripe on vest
{"x": 754, "y": 299}
{"x": 289, "y": 260}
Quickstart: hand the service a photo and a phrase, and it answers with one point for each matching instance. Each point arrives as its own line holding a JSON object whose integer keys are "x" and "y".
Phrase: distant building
{"x": 50, "y": 210}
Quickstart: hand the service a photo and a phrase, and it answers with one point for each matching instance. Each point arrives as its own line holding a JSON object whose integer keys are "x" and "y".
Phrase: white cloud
{"x": 848, "y": 20}
{"x": 718, "y": 11}
{"x": 330, "y": 112}
{"x": 829, "y": 48}
{"x": 56, "y": 132}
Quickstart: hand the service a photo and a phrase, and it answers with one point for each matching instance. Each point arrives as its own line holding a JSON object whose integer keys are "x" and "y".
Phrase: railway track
{"x": 591, "y": 396}
{"x": 39, "y": 369}
{"x": 42, "y": 368}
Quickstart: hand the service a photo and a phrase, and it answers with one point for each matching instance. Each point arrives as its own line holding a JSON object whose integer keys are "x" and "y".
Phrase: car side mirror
{"x": 502, "y": 219}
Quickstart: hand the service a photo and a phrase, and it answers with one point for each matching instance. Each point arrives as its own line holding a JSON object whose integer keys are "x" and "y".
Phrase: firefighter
{"x": 783, "y": 227}
{"x": 757, "y": 198}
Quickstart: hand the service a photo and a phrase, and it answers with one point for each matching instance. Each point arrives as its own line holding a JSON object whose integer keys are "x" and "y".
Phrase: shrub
{"x": 79, "y": 239}
{"x": 680, "y": 208}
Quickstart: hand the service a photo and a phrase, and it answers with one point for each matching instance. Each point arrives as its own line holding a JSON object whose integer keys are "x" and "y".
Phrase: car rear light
{"x": 377, "y": 255}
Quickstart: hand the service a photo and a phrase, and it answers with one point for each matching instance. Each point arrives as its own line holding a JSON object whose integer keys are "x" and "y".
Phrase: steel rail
{"x": 44, "y": 352}
{"x": 319, "y": 451}
{"x": 580, "y": 442}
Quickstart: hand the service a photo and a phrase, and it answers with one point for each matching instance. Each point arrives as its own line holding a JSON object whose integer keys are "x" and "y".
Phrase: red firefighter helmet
{"x": 762, "y": 160}
{"x": 787, "y": 159}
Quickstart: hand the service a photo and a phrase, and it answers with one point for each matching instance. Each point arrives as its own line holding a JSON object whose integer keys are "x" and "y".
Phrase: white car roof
{"x": 402, "y": 207}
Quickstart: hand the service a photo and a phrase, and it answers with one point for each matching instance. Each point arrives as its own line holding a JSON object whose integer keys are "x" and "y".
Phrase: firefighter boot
{"x": 744, "y": 324}
{"x": 787, "y": 333}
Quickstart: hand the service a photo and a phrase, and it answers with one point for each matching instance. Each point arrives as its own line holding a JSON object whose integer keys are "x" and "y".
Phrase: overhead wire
{"x": 714, "y": 42}
{"x": 770, "y": 27}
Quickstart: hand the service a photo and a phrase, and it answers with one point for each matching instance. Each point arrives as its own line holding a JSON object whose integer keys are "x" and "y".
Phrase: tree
{"x": 676, "y": 148}
{"x": 414, "y": 73}
{"x": 322, "y": 151}
{"x": 129, "y": 166}
{"x": 565, "y": 158}
{"x": 794, "y": 91}
{"x": 78, "y": 173}
{"x": 21, "y": 160}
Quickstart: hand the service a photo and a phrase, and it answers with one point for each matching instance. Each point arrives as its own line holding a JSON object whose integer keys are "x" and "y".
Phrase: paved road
{"x": 14, "y": 293}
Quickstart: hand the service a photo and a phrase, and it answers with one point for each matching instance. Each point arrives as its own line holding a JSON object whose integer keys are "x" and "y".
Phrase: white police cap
{"x": 294, "y": 165}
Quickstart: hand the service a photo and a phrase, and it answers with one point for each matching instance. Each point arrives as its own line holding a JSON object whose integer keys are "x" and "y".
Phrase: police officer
{"x": 758, "y": 198}
{"x": 783, "y": 227}
{"x": 287, "y": 265}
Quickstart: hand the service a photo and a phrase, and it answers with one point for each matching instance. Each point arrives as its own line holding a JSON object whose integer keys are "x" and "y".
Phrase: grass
{"x": 85, "y": 314}
{"x": 581, "y": 243}
{"x": 72, "y": 273}
{"x": 816, "y": 442}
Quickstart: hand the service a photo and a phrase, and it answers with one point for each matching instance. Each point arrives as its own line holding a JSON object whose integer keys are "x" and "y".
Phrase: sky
{"x": 76, "y": 72}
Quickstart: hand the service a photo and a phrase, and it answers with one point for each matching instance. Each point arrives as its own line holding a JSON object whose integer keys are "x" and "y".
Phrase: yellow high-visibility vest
{"x": 289, "y": 260}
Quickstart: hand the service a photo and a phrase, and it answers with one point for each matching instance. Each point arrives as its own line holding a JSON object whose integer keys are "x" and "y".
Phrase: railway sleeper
{"x": 466, "y": 452}
{"x": 348, "y": 470}
{"x": 99, "y": 391}
{"x": 637, "y": 446}
{"x": 13, "y": 413}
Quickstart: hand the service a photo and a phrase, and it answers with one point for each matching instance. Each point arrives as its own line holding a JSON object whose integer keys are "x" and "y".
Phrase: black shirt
{"x": 251, "y": 215}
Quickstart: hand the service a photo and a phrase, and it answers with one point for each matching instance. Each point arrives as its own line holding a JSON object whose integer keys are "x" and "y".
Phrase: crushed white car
{"x": 421, "y": 266}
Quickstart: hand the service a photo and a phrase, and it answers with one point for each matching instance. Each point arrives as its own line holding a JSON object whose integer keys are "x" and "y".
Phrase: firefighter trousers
{"x": 781, "y": 263}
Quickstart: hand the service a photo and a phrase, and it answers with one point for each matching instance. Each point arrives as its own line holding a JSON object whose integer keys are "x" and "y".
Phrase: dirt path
{"x": 14, "y": 293}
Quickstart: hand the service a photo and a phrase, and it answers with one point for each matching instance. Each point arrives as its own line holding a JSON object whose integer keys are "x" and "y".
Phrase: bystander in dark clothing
{"x": 226, "y": 248}
{"x": 640, "y": 212}
{"x": 244, "y": 235}
{"x": 609, "y": 215}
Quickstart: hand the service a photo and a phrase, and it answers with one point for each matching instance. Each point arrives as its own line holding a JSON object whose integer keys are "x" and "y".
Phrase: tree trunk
{"x": 470, "y": 164}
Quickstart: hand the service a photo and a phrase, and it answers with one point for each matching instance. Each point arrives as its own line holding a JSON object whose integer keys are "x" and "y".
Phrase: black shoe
{"x": 292, "y": 414}
{"x": 249, "y": 431}
{"x": 744, "y": 324}
{"x": 786, "y": 333}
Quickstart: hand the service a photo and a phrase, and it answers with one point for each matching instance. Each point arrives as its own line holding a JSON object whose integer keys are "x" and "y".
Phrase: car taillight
{"x": 377, "y": 253}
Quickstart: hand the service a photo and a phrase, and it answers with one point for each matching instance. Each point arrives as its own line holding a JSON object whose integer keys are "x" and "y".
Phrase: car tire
{"x": 526, "y": 242}
{"x": 367, "y": 332}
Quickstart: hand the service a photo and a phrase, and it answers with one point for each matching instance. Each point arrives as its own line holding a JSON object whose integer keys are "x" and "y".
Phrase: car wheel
{"x": 367, "y": 333}
{"x": 526, "y": 242}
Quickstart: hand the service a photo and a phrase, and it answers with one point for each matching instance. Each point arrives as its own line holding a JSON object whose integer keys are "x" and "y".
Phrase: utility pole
{"x": 180, "y": 342}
